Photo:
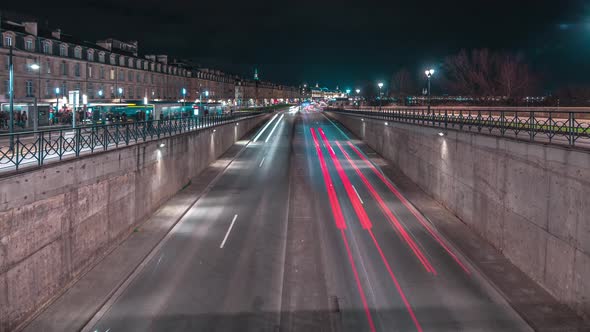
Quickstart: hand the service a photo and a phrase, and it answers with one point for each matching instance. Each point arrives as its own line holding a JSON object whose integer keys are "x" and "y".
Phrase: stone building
{"x": 48, "y": 64}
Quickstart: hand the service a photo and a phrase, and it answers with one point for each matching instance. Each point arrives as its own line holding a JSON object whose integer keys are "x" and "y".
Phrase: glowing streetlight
{"x": 35, "y": 118}
{"x": 120, "y": 90}
{"x": 56, "y": 99}
{"x": 380, "y": 85}
{"x": 429, "y": 73}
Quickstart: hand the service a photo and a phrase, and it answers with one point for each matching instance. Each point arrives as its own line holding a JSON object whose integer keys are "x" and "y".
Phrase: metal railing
{"x": 35, "y": 148}
{"x": 570, "y": 128}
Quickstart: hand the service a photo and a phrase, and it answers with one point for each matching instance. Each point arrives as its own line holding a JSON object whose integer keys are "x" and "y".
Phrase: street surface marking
{"x": 228, "y": 231}
{"x": 357, "y": 194}
{"x": 261, "y": 162}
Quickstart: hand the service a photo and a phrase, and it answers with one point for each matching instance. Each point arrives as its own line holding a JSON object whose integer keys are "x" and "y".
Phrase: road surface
{"x": 303, "y": 233}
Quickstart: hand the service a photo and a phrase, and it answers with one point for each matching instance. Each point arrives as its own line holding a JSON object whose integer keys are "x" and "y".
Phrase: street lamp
{"x": 380, "y": 85}
{"x": 11, "y": 92}
{"x": 100, "y": 93}
{"x": 120, "y": 90}
{"x": 36, "y": 67}
{"x": 183, "y": 98}
{"x": 56, "y": 99}
{"x": 429, "y": 73}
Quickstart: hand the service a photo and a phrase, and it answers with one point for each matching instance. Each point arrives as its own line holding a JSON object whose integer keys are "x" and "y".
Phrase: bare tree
{"x": 402, "y": 84}
{"x": 483, "y": 73}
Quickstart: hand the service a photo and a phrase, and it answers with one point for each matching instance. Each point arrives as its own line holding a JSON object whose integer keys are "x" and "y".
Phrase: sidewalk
{"x": 535, "y": 305}
{"x": 77, "y": 305}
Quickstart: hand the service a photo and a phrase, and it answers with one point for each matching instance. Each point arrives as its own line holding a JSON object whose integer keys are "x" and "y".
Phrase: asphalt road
{"x": 302, "y": 233}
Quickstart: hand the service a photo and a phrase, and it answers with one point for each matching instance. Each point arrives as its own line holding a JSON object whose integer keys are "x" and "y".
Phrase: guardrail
{"x": 35, "y": 148}
{"x": 571, "y": 128}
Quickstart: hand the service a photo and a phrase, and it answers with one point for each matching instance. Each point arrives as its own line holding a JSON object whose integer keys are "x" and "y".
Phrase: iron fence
{"x": 35, "y": 148}
{"x": 571, "y": 128}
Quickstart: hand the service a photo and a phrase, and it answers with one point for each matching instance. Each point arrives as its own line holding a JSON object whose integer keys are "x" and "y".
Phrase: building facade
{"x": 47, "y": 65}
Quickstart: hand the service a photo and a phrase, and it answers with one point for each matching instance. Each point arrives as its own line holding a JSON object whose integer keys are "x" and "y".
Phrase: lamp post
{"x": 380, "y": 85}
{"x": 56, "y": 104}
{"x": 100, "y": 110}
{"x": 183, "y": 97}
{"x": 11, "y": 92}
{"x": 120, "y": 91}
{"x": 358, "y": 100}
{"x": 429, "y": 73}
{"x": 36, "y": 67}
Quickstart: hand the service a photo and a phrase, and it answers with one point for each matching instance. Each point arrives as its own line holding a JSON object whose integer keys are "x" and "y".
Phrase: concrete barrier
{"x": 57, "y": 221}
{"x": 530, "y": 200}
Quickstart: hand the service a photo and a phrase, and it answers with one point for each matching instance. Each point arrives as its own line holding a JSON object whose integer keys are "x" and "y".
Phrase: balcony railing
{"x": 558, "y": 127}
{"x": 36, "y": 148}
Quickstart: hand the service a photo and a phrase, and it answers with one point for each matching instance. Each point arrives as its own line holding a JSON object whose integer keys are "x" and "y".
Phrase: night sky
{"x": 334, "y": 42}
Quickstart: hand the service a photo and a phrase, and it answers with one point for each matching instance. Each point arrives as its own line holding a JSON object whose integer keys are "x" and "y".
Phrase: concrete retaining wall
{"x": 56, "y": 221}
{"x": 531, "y": 201}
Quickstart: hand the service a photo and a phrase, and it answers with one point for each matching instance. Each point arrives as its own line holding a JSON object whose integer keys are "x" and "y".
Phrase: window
{"x": 138, "y": 64}
{"x": 102, "y": 73}
{"x": 130, "y": 76}
{"x": 29, "y": 45}
{"x": 89, "y": 71}
{"x": 121, "y": 61}
{"x": 112, "y": 59}
{"x": 90, "y": 55}
{"x": 112, "y": 74}
{"x": 90, "y": 91}
{"x": 29, "y": 88}
{"x": 121, "y": 75}
{"x": 78, "y": 53}
{"x": 77, "y": 70}
{"x": 138, "y": 92}
{"x": 138, "y": 77}
{"x": 64, "y": 89}
{"x": 130, "y": 63}
{"x": 47, "y": 88}
{"x": 28, "y": 64}
{"x": 63, "y": 50}
{"x": 77, "y": 87}
{"x": 47, "y": 47}
{"x": 48, "y": 66}
{"x": 64, "y": 68}
{"x": 7, "y": 41}
{"x": 101, "y": 57}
